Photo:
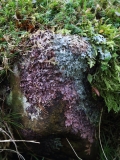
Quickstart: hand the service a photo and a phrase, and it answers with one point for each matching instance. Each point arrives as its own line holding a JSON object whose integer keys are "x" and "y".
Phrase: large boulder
{"x": 49, "y": 88}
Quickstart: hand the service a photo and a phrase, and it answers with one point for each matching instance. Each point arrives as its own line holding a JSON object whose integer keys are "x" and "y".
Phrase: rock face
{"x": 50, "y": 90}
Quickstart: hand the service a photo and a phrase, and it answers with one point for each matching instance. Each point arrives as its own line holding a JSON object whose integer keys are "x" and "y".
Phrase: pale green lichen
{"x": 32, "y": 115}
{"x": 72, "y": 63}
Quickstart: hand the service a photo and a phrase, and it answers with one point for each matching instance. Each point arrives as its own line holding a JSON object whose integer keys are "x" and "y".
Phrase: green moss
{"x": 108, "y": 83}
{"x": 15, "y": 97}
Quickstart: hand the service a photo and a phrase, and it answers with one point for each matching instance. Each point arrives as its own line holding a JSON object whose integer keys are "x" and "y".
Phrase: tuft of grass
{"x": 109, "y": 134}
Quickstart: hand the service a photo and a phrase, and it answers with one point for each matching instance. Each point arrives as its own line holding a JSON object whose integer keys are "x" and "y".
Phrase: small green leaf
{"x": 114, "y": 55}
{"x": 89, "y": 78}
{"x": 117, "y": 14}
{"x": 63, "y": 31}
{"x": 91, "y": 62}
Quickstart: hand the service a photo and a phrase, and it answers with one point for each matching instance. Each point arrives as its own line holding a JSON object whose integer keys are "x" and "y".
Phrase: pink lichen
{"x": 79, "y": 123}
{"x": 41, "y": 79}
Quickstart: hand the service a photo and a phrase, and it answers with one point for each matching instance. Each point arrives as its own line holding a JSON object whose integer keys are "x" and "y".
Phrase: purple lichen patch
{"x": 41, "y": 80}
{"x": 56, "y": 64}
{"x": 80, "y": 124}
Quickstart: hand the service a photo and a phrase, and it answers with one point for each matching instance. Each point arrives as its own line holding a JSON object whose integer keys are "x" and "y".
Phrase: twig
{"x": 12, "y": 140}
{"x": 73, "y": 149}
{"x": 99, "y": 136}
{"x": 13, "y": 151}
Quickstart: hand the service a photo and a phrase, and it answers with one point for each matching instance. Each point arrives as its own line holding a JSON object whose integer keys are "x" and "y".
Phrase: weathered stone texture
{"x": 54, "y": 94}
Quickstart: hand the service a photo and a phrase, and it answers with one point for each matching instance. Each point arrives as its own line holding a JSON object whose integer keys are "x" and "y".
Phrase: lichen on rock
{"x": 55, "y": 69}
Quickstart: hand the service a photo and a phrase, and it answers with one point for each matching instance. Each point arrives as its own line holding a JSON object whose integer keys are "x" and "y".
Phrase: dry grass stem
{"x": 11, "y": 140}
{"x": 73, "y": 149}
{"x": 100, "y": 138}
